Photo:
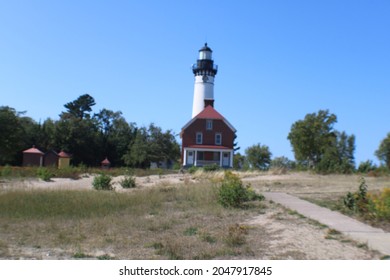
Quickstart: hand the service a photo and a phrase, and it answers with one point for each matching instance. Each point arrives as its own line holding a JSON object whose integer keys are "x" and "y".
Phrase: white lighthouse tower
{"x": 204, "y": 71}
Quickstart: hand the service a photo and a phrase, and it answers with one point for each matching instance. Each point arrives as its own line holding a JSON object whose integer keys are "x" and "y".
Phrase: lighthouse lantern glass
{"x": 205, "y": 55}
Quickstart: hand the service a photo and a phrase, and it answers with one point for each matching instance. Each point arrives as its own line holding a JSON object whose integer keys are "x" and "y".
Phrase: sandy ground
{"x": 290, "y": 235}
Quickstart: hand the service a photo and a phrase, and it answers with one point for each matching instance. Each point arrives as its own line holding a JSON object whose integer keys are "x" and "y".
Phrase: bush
{"x": 192, "y": 169}
{"x": 381, "y": 204}
{"x": 366, "y": 166}
{"x": 212, "y": 167}
{"x": 44, "y": 174}
{"x": 233, "y": 193}
{"x": 102, "y": 182}
{"x": 358, "y": 201}
{"x": 128, "y": 182}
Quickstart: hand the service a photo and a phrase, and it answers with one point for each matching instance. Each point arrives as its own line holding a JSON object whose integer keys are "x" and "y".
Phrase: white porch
{"x": 208, "y": 156}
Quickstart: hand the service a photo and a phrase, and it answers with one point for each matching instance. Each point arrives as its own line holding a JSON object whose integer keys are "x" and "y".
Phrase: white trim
{"x": 221, "y": 151}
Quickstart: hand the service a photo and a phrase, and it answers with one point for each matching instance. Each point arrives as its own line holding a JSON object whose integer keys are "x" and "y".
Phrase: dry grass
{"x": 169, "y": 221}
{"x": 166, "y": 222}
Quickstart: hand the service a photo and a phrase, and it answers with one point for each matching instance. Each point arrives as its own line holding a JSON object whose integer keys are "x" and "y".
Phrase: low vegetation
{"x": 233, "y": 193}
{"x": 166, "y": 222}
{"x": 371, "y": 206}
{"x": 102, "y": 182}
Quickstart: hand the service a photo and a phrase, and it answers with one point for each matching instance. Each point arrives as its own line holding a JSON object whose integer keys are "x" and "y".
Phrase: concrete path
{"x": 375, "y": 238}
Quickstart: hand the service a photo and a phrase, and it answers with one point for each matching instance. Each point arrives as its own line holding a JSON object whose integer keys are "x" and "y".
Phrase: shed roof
{"x": 33, "y": 150}
{"x": 105, "y": 161}
{"x": 62, "y": 154}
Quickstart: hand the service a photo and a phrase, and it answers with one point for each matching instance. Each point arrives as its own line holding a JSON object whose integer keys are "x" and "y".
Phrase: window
{"x": 218, "y": 139}
{"x": 209, "y": 124}
{"x": 199, "y": 138}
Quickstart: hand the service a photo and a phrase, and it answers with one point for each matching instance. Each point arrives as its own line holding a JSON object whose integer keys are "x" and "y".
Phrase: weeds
{"x": 44, "y": 174}
{"x": 102, "y": 182}
{"x": 233, "y": 193}
{"x": 128, "y": 182}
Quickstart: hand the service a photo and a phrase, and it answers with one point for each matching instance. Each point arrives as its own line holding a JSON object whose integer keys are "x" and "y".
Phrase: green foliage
{"x": 282, "y": 163}
{"x": 152, "y": 145}
{"x": 258, "y": 156}
{"x": 366, "y": 166}
{"x": 6, "y": 171}
{"x": 383, "y": 152}
{"x": 211, "y": 167}
{"x": 128, "y": 182}
{"x": 238, "y": 161}
{"x": 102, "y": 182}
{"x": 232, "y": 192}
{"x": 80, "y": 107}
{"x": 87, "y": 136}
{"x": 381, "y": 204}
{"x": 358, "y": 202}
{"x": 44, "y": 174}
{"x": 192, "y": 169}
{"x": 317, "y": 145}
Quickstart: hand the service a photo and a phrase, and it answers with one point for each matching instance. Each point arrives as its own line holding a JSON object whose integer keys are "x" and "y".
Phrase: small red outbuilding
{"x": 33, "y": 157}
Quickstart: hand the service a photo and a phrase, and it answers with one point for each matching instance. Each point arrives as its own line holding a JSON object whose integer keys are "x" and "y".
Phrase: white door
{"x": 225, "y": 160}
{"x": 190, "y": 158}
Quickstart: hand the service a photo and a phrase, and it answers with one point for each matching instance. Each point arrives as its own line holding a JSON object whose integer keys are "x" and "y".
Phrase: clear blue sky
{"x": 278, "y": 61}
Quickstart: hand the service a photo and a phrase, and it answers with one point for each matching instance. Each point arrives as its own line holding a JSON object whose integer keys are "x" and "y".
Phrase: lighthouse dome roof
{"x": 205, "y": 48}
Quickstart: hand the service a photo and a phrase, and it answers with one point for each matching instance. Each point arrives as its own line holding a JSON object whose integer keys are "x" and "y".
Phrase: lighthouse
{"x": 204, "y": 71}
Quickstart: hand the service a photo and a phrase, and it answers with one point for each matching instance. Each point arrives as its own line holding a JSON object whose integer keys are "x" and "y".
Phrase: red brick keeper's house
{"x": 208, "y": 139}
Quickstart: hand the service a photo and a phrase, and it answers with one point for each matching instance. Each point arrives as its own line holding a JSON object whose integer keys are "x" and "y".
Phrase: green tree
{"x": 239, "y": 161}
{"x": 78, "y": 133}
{"x": 383, "y": 152}
{"x": 152, "y": 145}
{"x": 311, "y": 137}
{"x": 11, "y": 135}
{"x": 115, "y": 135}
{"x": 316, "y": 144}
{"x": 282, "y": 162}
{"x": 258, "y": 156}
{"x": 80, "y": 107}
{"x": 137, "y": 155}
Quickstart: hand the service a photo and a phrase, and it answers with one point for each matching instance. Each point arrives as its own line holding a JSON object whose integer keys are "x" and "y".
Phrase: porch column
{"x": 196, "y": 158}
{"x": 231, "y": 159}
{"x": 220, "y": 158}
{"x": 185, "y": 158}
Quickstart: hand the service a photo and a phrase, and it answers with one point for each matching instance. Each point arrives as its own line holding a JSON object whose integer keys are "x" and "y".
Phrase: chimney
{"x": 208, "y": 102}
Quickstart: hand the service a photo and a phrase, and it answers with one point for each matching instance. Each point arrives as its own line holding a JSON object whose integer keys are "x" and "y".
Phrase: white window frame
{"x": 199, "y": 136}
{"x": 220, "y": 139}
{"x": 209, "y": 124}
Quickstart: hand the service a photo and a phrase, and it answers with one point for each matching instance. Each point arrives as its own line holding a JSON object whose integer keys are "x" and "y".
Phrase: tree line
{"x": 89, "y": 137}
{"x": 318, "y": 146}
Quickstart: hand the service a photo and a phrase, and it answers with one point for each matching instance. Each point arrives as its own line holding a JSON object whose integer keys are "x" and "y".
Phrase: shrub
{"x": 6, "y": 171}
{"x": 192, "y": 169}
{"x": 358, "y": 201}
{"x": 44, "y": 174}
{"x": 128, "y": 182}
{"x": 102, "y": 182}
{"x": 211, "y": 167}
{"x": 366, "y": 166}
{"x": 236, "y": 235}
{"x": 232, "y": 192}
{"x": 381, "y": 204}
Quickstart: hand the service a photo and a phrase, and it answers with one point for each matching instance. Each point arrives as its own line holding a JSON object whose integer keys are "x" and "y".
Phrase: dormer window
{"x": 199, "y": 138}
{"x": 209, "y": 124}
{"x": 218, "y": 139}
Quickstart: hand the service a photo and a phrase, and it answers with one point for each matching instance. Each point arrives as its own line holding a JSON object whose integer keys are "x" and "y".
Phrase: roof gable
{"x": 33, "y": 150}
{"x": 209, "y": 113}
